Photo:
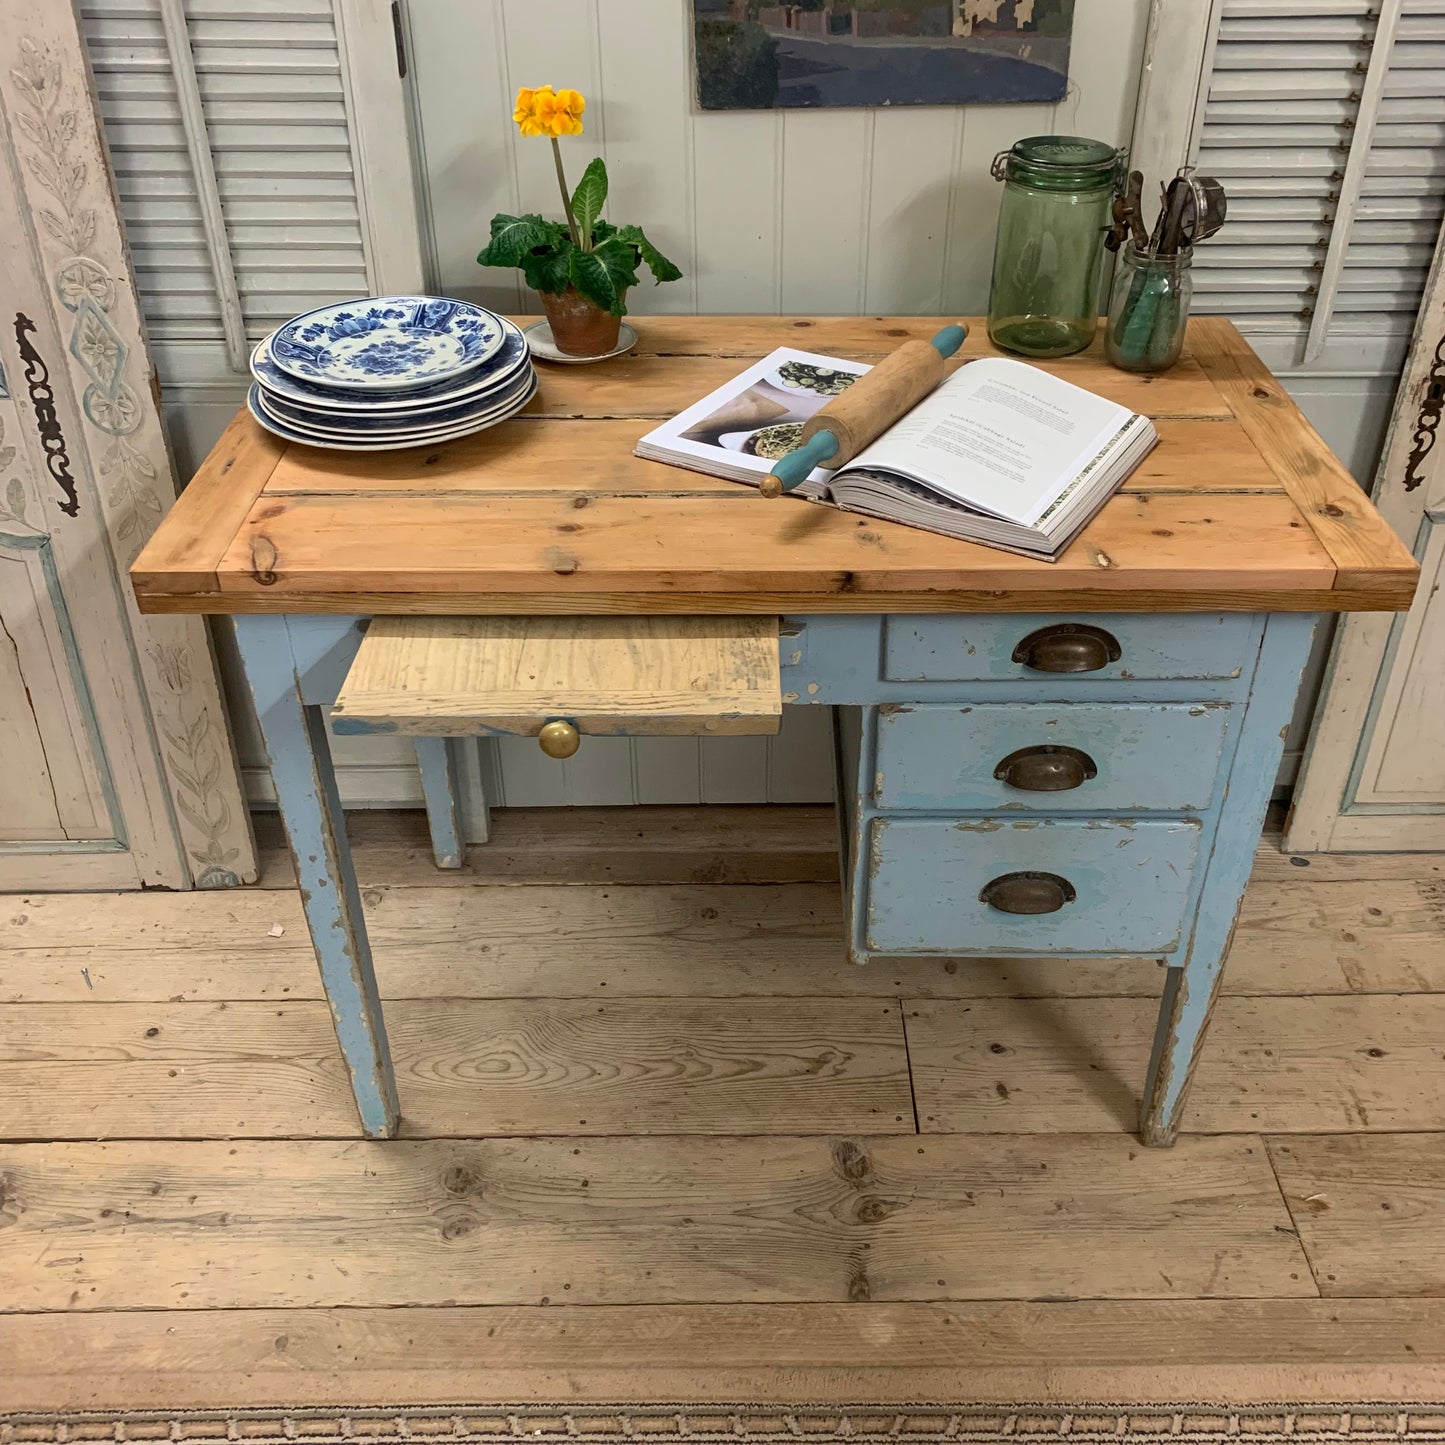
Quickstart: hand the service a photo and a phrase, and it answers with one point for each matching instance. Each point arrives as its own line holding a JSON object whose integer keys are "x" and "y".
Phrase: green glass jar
{"x": 1046, "y": 260}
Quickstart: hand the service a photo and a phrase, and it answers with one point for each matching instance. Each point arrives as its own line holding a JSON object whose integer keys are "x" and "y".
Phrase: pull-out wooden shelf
{"x": 662, "y": 676}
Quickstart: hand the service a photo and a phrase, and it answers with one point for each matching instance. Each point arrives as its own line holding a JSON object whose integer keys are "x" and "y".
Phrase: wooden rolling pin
{"x": 860, "y": 415}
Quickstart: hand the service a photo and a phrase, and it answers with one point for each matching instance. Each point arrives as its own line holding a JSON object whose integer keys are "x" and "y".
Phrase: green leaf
{"x": 15, "y": 498}
{"x": 661, "y": 268}
{"x": 514, "y": 236}
{"x": 589, "y": 198}
{"x": 549, "y": 271}
{"x": 621, "y": 262}
{"x": 590, "y": 277}
{"x": 603, "y": 274}
{"x": 603, "y": 231}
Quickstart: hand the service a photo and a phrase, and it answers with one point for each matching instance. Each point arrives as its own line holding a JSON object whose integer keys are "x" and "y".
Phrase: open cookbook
{"x": 1001, "y": 453}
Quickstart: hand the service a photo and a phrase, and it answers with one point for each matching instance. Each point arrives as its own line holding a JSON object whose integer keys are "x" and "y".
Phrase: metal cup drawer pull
{"x": 1047, "y": 768}
{"x": 559, "y": 739}
{"x": 1027, "y": 893}
{"x": 1068, "y": 647}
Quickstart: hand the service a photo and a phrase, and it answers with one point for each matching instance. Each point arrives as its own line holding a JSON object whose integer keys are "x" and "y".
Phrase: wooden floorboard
{"x": 697, "y": 1065}
{"x": 606, "y": 941}
{"x": 1139, "y": 1350}
{"x": 463, "y": 1066}
{"x": 715, "y": 844}
{"x": 671, "y": 1148}
{"x": 1297, "y": 1065}
{"x": 273, "y": 1223}
{"x": 1371, "y": 1210}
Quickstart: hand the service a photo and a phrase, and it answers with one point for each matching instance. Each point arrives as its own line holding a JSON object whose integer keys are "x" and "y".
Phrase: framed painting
{"x": 755, "y": 55}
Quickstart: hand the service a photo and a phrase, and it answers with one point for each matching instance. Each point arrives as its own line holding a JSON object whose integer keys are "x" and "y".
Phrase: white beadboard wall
{"x": 841, "y": 211}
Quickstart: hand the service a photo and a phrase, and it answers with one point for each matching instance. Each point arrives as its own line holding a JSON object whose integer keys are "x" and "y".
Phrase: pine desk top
{"x": 1240, "y": 507}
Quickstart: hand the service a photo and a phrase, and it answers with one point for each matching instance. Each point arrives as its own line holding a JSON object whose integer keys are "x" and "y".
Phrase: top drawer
{"x": 1108, "y": 645}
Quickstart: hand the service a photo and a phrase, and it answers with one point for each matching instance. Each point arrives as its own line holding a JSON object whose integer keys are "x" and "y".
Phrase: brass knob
{"x": 1047, "y": 768}
{"x": 1028, "y": 893}
{"x": 1068, "y": 647}
{"x": 559, "y": 739}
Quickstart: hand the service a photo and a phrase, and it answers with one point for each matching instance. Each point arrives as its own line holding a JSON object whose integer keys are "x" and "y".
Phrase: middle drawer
{"x": 944, "y": 757}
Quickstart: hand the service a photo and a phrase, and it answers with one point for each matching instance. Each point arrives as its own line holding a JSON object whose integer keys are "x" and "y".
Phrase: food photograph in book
{"x": 760, "y": 416}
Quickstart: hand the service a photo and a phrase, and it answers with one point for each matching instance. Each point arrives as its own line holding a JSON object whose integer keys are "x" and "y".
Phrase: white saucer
{"x": 539, "y": 338}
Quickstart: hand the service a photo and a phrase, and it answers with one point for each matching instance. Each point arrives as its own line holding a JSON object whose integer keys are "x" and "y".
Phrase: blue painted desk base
{"x": 1186, "y": 730}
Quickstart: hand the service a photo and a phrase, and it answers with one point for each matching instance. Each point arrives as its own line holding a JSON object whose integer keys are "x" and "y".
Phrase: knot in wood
{"x": 263, "y": 561}
{"x": 460, "y": 1180}
{"x": 851, "y": 1161}
{"x": 458, "y": 1226}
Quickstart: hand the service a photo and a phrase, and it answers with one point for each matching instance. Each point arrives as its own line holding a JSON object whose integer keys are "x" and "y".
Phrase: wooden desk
{"x": 1236, "y": 532}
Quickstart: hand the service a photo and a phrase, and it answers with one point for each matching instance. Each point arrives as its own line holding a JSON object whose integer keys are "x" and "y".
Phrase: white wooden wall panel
{"x": 1372, "y": 778}
{"x": 1405, "y": 763}
{"x": 830, "y": 210}
{"x": 128, "y": 707}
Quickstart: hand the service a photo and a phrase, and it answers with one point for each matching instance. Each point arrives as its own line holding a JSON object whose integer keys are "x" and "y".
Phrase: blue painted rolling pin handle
{"x": 795, "y": 468}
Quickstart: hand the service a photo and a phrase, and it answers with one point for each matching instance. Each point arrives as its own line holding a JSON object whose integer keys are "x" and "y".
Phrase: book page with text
{"x": 1000, "y": 436}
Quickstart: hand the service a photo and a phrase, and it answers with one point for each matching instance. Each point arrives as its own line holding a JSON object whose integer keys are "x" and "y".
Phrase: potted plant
{"x": 583, "y": 268}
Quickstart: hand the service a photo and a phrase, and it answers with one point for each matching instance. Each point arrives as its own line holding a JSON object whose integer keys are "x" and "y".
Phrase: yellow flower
{"x": 567, "y": 113}
{"x": 547, "y": 112}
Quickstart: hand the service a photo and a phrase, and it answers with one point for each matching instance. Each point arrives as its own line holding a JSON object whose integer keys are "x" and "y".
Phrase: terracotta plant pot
{"x": 580, "y": 327}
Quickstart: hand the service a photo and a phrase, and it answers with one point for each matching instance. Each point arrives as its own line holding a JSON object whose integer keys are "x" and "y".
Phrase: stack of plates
{"x": 390, "y": 371}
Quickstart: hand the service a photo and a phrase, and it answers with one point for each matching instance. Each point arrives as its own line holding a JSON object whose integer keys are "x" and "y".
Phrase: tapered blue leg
{"x": 300, "y": 753}
{"x": 1190, "y": 991}
{"x": 441, "y": 786}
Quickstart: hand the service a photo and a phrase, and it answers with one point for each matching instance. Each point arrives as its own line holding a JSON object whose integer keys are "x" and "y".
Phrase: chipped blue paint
{"x": 1191, "y": 989}
{"x": 1131, "y": 879}
{"x": 278, "y": 666}
{"x": 441, "y": 786}
{"x": 1155, "y": 756}
{"x": 938, "y": 648}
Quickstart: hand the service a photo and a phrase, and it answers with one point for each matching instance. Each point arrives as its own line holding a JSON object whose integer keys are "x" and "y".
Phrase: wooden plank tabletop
{"x": 1241, "y": 507}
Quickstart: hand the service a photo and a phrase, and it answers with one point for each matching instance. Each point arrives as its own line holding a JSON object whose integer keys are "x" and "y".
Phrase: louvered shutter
{"x": 270, "y": 81}
{"x": 1287, "y": 96}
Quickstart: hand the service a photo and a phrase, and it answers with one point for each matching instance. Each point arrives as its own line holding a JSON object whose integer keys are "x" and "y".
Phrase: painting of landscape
{"x": 753, "y": 55}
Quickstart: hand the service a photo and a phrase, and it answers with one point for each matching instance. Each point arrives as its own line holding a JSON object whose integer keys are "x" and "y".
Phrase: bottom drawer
{"x": 1114, "y": 886}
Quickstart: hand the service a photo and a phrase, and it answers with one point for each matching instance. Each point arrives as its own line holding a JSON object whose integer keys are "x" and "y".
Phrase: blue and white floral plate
{"x": 500, "y": 371}
{"x": 387, "y": 343}
{"x": 364, "y": 442}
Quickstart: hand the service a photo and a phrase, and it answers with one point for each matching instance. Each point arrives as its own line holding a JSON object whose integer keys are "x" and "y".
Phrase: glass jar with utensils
{"x": 1153, "y": 282}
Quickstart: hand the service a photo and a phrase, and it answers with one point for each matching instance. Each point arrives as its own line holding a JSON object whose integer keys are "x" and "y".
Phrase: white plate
{"x": 408, "y": 433}
{"x": 539, "y": 338}
{"x": 292, "y": 434}
{"x": 387, "y": 423}
{"x": 387, "y": 343}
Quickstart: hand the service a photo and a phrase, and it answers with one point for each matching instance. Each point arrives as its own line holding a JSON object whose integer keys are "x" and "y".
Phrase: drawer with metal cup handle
{"x": 1054, "y": 757}
{"x": 1098, "y": 647}
{"x": 1028, "y": 885}
{"x": 1027, "y": 893}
